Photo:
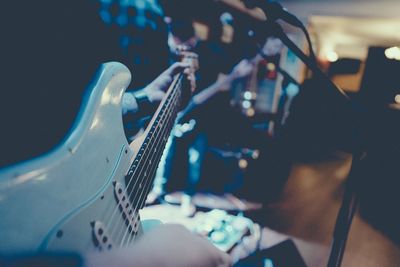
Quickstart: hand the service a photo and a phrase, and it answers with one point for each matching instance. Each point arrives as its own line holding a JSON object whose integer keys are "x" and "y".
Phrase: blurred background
{"x": 259, "y": 160}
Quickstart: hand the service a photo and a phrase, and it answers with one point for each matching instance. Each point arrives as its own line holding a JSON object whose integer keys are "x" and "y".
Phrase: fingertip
{"x": 185, "y": 64}
{"x": 175, "y": 65}
{"x": 178, "y": 66}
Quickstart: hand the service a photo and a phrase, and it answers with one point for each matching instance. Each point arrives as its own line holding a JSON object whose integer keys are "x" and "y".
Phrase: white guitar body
{"x": 68, "y": 198}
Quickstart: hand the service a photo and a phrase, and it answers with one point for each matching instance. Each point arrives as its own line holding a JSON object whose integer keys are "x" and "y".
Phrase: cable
{"x": 274, "y": 11}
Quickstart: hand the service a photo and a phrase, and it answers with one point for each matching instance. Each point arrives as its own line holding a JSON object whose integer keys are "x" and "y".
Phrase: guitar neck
{"x": 143, "y": 169}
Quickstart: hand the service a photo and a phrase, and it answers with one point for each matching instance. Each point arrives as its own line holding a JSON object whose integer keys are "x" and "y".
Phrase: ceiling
{"x": 354, "y": 8}
{"x": 351, "y": 36}
{"x": 347, "y": 27}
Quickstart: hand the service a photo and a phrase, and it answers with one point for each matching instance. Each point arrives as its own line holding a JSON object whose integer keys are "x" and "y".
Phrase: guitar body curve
{"x": 70, "y": 192}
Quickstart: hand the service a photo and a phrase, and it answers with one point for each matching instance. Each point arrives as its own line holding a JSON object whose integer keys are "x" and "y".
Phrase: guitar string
{"x": 115, "y": 211}
{"x": 127, "y": 239}
{"x": 142, "y": 198}
{"x": 150, "y": 182}
{"x": 174, "y": 84}
{"x": 149, "y": 171}
{"x": 148, "y": 185}
{"x": 131, "y": 174}
{"x": 167, "y": 130}
{"x": 141, "y": 176}
{"x": 138, "y": 161}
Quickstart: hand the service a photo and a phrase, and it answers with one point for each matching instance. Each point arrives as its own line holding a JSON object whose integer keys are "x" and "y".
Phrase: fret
{"x": 146, "y": 162}
{"x": 156, "y": 139}
{"x": 149, "y": 183}
{"x": 159, "y": 147}
{"x": 153, "y": 168}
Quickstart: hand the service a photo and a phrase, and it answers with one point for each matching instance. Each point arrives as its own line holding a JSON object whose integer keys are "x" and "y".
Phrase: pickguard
{"x": 66, "y": 224}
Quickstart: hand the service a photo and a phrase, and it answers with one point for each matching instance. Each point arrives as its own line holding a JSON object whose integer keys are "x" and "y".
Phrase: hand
{"x": 167, "y": 246}
{"x": 272, "y": 46}
{"x": 223, "y": 83}
{"x": 156, "y": 89}
{"x": 242, "y": 69}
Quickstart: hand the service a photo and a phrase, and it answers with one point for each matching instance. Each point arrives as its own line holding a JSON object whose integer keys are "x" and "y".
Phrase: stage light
{"x": 271, "y": 66}
{"x": 292, "y": 90}
{"x": 331, "y": 56}
{"x": 243, "y": 163}
{"x": 246, "y": 104}
{"x": 247, "y": 95}
{"x": 393, "y": 53}
{"x": 194, "y": 155}
{"x": 397, "y": 99}
{"x": 226, "y": 18}
{"x": 250, "y": 112}
{"x": 268, "y": 263}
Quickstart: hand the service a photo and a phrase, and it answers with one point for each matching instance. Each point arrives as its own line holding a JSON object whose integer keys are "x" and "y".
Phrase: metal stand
{"x": 349, "y": 202}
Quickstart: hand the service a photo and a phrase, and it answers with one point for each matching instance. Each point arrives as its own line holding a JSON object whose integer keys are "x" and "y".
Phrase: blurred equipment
{"x": 226, "y": 202}
{"x": 344, "y": 66}
{"x": 221, "y": 228}
{"x": 380, "y": 88}
{"x": 273, "y": 12}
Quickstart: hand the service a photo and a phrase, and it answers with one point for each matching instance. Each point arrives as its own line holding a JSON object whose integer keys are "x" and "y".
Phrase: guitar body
{"x": 68, "y": 199}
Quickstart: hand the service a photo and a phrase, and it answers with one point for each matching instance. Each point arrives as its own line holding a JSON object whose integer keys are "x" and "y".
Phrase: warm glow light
{"x": 397, "y": 99}
{"x": 243, "y": 163}
{"x": 393, "y": 53}
{"x": 250, "y": 112}
{"x": 271, "y": 66}
{"x": 332, "y": 56}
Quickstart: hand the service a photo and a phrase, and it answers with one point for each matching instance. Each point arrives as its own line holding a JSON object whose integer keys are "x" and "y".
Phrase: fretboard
{"x": 141, "y": 175}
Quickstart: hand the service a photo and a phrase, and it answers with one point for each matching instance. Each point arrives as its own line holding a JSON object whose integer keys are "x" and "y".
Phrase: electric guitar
{"x": 86, "y": 194}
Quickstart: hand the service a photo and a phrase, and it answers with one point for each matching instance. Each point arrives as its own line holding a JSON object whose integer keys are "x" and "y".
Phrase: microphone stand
{"x": 350, "y": 201}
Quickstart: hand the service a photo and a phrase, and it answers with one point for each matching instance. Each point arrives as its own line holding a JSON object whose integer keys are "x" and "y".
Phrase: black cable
{"x": 274, "y": 11}
{"x": 308, "y": 38}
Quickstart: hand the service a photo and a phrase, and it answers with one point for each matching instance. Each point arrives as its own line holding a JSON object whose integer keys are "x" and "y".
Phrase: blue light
{"x": 268, "y": 263}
